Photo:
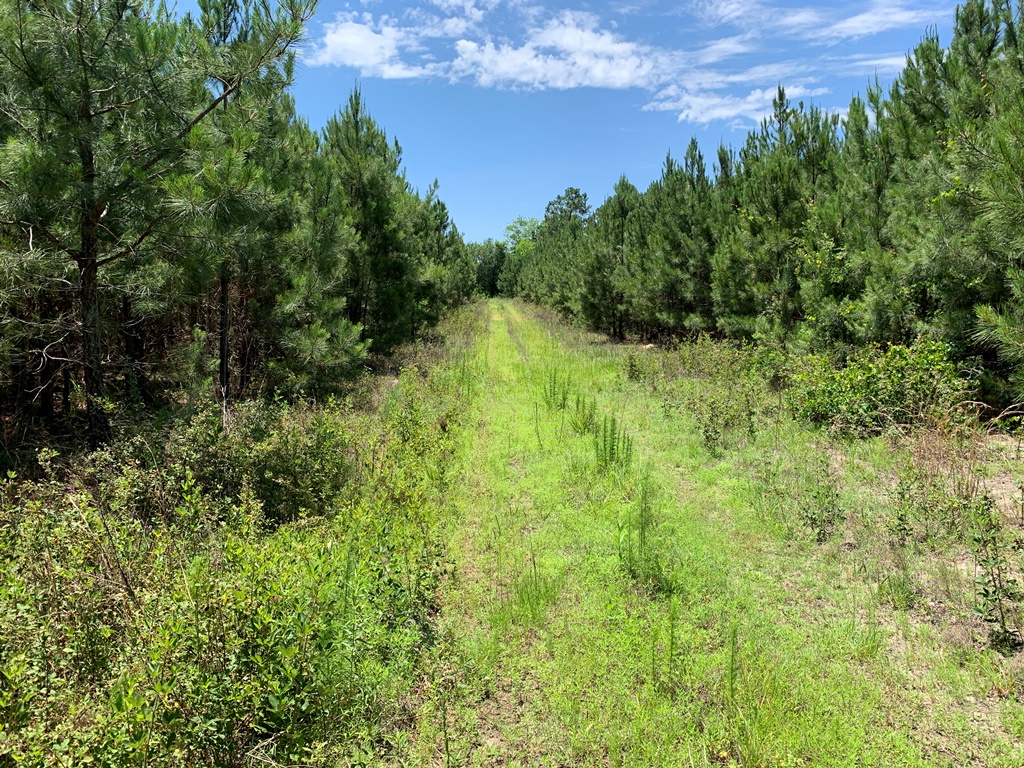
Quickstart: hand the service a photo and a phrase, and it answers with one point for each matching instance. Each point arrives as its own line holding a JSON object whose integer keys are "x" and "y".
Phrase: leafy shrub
{"x": 641, "y": 365}
{"x": 149, "y": 615}
{"x": 707, "y": 358}
{"x": 879, "y": 390}
{"x": 820, "y": 508}
{"x": 999, "y": 593}
{"x": 717, "y": 411}
{"x": 925, "y": 508}
{"x": 294, "y": 458}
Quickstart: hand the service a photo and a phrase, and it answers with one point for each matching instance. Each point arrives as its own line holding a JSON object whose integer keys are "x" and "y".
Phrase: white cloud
{"x": 884, "y": 65}
{"x": 570, "y": 51}
{"x": 728, "y": 11}
{"x": 726, "y": 48}
{"x": 814, "y": 23}
{"x": 704, "y": 107}
{"x": 729, "y": 76}
{"x": 373, "y": 49}
{"x": 422, "y": 25}
{"x": 880, "y": 17}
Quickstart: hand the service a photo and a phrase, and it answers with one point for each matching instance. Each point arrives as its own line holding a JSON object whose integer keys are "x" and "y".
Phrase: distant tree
{"x": 605, "y": 261}
{"x": 682, "y": 243}
{"x": 555, "y": 266}
{"x": 489, "y": 257}
{"x": 380, "y": 274}
{"x": 520, "y": 243}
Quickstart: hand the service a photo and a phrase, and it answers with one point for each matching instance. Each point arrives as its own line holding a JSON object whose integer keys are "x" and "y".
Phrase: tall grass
{"x": 613, "y": 445}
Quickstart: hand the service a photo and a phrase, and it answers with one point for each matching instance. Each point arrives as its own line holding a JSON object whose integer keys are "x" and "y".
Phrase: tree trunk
{"x": 47, "y": 384}
{"x": 245, "y": 368}
{"x": 136, "y": 381}
{"x": 65, "y": 392}
{"x": 19, "y": 385}
{"x": 92, "y": 353}
{"x": 225, "y": 348}
{"x": 87, "y": 259}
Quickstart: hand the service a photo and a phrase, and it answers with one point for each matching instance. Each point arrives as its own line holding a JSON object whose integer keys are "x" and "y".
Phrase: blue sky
{"x": 507, "y": 103}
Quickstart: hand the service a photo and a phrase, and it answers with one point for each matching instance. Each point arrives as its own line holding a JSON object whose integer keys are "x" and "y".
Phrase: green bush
{"x": 879, "y": 390}
{"x": 255, "y": 592}
{"x": 294, "y": 457}
{"x": 642, "y": 365}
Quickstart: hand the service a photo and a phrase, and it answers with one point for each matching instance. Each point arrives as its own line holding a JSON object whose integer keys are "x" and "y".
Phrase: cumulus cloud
{"x": 374, "y": 49}
{"x": 736, "y": 53}
{"x": 570, "y": 51}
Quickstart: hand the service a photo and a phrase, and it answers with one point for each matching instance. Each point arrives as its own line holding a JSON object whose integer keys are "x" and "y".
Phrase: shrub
{"x": 879, "y": 390}
{"x": 999, "y": 593}
{"x": 150, "y": 616}
{"x": 642, "y": 365}
{"x": 718, "y": 410}
{"x": 294, "y": 458}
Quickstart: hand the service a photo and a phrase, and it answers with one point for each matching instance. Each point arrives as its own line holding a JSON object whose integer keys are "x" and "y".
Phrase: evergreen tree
{"x": 106, "y": 103}
{"x": 605, "y": 261}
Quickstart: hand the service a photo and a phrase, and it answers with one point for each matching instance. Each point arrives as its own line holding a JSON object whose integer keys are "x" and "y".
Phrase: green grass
{"x": 689, "y": 602}
{"x": 530, "y": 547}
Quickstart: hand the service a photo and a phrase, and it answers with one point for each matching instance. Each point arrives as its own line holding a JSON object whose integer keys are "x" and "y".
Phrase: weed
{"x": 864, "y": 638}
{"x": 903, "y": 508}
{"x": 771, "y": 494}
{"x": 555, "y": 391}
{"x": 936, "y": 488}
{"x": 998, "y": 592}
{"x": 640, "y": 551}
{"x": 820, "y": 509}
{"x": 898, "y": 590}
{"x": 527, "y": 600}
{"x": 583, "y": 416}
{"x": 707, "y": 358}
{"x": 668, "y": 659}
{"x": 613, "y": 446}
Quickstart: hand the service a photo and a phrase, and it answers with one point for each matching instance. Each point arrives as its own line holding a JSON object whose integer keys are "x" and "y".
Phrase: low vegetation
{"x": 522, "y": 545}
{"x": 232, "y": 588}
{"x": 742, "y": 586}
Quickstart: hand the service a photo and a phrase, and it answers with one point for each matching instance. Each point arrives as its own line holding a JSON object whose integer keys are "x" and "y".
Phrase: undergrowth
{"x": 933, "y": 509}
{"x": 877, "y": 390}
{"x": 251, "y": 588}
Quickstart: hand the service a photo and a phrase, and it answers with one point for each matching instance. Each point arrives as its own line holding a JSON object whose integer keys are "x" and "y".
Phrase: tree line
{"x": 822, "y": 233}
{"x": 168, "y": 221}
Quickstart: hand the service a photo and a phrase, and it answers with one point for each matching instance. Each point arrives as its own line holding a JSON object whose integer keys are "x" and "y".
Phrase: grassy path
{"x": 615, "y": 601}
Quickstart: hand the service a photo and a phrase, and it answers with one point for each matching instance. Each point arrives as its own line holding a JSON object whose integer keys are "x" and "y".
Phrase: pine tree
{"x": 107, "y": 102}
